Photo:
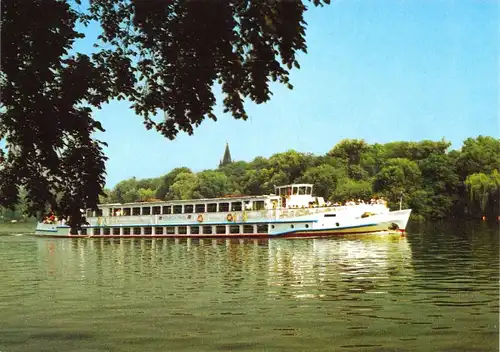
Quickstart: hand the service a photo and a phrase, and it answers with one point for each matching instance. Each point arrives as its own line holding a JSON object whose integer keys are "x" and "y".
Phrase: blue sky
{"x": 377, "y": 70}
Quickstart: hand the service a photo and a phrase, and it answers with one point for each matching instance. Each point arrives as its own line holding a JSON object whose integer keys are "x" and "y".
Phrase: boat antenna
{"x": 401, "y": 200}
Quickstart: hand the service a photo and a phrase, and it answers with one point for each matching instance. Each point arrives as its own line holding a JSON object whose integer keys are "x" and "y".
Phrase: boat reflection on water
{"x": 333, "y": 268}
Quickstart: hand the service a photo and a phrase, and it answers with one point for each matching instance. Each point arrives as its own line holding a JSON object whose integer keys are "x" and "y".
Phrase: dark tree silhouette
{"x": 161, "y": 55}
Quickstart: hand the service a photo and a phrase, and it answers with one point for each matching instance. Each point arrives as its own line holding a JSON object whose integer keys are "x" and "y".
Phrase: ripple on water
{"x": 371, "y": 294}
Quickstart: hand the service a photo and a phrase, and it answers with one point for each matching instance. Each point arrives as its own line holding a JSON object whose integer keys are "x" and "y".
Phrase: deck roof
{"x": 188, "y": 201}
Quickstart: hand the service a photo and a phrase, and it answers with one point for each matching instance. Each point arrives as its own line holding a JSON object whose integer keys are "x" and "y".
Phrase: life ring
{"x": 229, "y": 217}
{"x": 200, "y": 218}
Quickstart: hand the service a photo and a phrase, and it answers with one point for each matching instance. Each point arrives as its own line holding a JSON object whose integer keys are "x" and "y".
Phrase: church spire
{"x": 226, "y": 159}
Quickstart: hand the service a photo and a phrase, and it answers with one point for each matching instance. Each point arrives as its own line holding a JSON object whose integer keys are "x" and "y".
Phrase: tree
{"x": 124, "y": 191}
{"x": 399, "y": 176}
{"x": 184, "y": 187}
{"x": 145, "y": 194}
{"x": 351, "y": 189}
{"x": 485, "y": 190}
{"x": 212, "y": 184}
{"x": 167, "y": 181}
{"x": 325, "y": 179}
{"x": 481, "y": 154}
{"x": 351, "y": 151}
{"x": 160, "y": 55}
{"x": 291, "y": 163}
{"x": 45, "y": 115}
{"x": 236, "y": 172}
{"x": 440, "y": 183}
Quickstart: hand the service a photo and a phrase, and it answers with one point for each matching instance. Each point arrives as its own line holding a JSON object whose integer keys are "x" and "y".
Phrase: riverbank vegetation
{"x": 434, "y": 181}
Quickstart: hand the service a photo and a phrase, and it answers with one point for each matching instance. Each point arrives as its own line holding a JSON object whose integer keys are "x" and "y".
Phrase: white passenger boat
{"x": 291, "y": 212}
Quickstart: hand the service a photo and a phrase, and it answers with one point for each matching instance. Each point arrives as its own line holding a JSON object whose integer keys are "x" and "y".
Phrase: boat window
{"x": 146, "y": 210}
{"x": 126, "y": 230}
{"x": 137, "y": 230}
{"x": 89, "y": 213}
{"x": 302, "y": 190}
{"x": 188, "y": 208}
{"x": 83, "y": 232}
{"x": 199, "y": 208}
{"x": 148, "y": 230}
{"x": 247, "y": 228}
{"x": 194, "y": 230}
{"x": 262, "y": 228}
{"x": 158, "y": 230}
{"x": 182, "y": 230}
{"x": 177, "y": 209}
{"x": 212, "y": 208}
{"x": 223, "y": 206}
{"x": 167, "y": 209}
{"x": 330, "y": 215}
{"x": 258, "y": 205}
{"x": 106, "y": 231}
{"x": 170, "y": 230}
{"x": 126, "y": 211}
{"x": 234, "y": 229}
{"x": 116, "y": 231}
{"x": 99, "y": 212}
{"x": 97, "y": 232}
{"x": 136, "y": 211}
{"x": 207, "y": 230}
{"x": 117, "y": 211}
{"x": 309, "y": 190}
{"x": 220, "y": 229}
{"x": 295, "y": 190}
{"x": 236, "y": 206}
{"x": 156, "y": 210}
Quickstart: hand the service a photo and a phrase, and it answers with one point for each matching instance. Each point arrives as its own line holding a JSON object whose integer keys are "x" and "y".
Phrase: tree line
{"x": 433, "y": 180}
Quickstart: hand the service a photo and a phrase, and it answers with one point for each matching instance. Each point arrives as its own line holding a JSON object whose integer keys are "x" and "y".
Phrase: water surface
{"x": 434, "y": 290}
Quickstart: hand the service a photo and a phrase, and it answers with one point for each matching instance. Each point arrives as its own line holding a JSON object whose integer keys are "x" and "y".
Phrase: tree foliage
{"x": 163, "y": 56}
{"x": 484, "y": 188}
{"x": 428, "y": 180}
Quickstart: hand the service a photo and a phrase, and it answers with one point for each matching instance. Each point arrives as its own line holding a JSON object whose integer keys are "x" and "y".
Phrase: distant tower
{"x": 226, "y": 159}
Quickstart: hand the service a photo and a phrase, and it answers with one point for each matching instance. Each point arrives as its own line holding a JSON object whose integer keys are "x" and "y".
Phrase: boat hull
{"x": 361, "y": 229}
{"x": 313, "y": 225}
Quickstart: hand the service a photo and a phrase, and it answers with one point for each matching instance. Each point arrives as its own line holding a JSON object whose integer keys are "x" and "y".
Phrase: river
{"x": 437, "y": 289}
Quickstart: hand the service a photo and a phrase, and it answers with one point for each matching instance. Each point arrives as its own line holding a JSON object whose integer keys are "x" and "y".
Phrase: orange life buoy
{"x": 200, "y": 218}
{"x": 229, "y": 217}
